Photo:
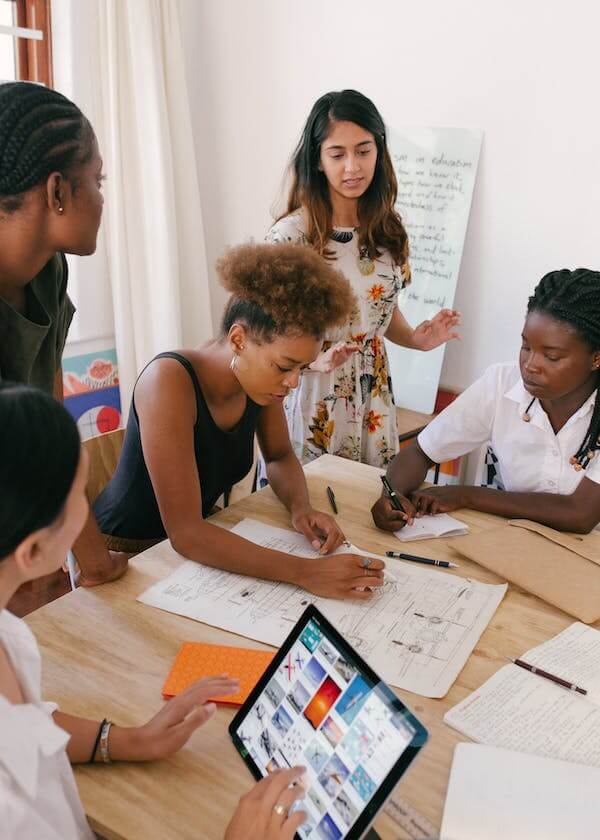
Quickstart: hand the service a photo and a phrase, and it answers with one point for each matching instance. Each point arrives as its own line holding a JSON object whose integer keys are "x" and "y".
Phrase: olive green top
{"x": 32, "y": 343}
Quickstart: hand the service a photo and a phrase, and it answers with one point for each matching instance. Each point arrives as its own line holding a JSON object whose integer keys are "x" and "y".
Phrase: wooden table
{"x": 105, "y": 654}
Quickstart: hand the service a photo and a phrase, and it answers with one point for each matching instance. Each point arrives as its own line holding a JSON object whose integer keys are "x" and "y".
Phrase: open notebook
{"x": 522, "y": 711}
{"x": 498, "y": 794}
{"x": 428, "y": 527}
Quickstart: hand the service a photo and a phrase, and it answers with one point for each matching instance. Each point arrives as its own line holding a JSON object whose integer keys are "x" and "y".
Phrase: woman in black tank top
{"x": 194, "y": 415}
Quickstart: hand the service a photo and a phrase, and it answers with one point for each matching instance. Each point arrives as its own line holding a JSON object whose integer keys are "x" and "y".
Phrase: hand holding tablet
{"x": 265, "y": 811}
{"x": 319, "y": 705}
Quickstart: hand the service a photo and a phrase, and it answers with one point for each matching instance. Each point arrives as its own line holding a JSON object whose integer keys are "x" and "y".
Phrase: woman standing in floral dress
{"x": 341, "y": 202}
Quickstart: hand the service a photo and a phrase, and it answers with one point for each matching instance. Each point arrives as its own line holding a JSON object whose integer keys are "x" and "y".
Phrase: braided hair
{"x": 41, "y": 131}
{"x": 574, "y": 298}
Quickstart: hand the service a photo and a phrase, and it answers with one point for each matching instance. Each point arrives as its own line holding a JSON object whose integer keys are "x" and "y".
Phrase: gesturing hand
{"x": 171, "y": 727}
{"x": 263, "y": 812}
{"x": 320, "y": 529}
{"x": 439, "y": 330}
{"x": 330, "y": 359}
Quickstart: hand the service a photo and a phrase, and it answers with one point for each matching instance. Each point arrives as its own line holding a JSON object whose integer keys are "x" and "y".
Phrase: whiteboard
{"x": 436, "y": 170}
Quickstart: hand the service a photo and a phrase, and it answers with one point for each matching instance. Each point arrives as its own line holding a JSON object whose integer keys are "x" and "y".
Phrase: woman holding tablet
{"x": 195, "y": 412}
{"x": 542, "y": 417}
{"x": 42, "y": 484}
{"x": 342, "y": 203}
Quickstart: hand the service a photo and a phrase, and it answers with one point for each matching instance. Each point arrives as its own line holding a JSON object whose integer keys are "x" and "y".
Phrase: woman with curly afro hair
{"x": 195, "y": 413}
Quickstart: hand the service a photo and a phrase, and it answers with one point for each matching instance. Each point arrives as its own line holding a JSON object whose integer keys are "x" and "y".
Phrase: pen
{"x": 391, "y": 493}
{"x": 444, "y": 564}
{"x": 552, "y": 677}
{"x": 331, "y": 498}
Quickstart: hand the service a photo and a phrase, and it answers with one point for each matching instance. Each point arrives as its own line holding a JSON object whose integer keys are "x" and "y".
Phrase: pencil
{"x": 552, "y": 677}
{"x": 332, "y": 502}
{"x": 444, "y": 564}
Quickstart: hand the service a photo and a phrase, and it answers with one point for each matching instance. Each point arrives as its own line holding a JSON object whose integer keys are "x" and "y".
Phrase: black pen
{"x": 391, "y": 493}
{"x": 444, "y": 564}
{"x": 331, "y": 498}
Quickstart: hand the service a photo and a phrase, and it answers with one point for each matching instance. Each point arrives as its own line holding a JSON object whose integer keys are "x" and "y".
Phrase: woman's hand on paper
{"x": 264, "y": 812}
{"x": 172, "y": 726}
{"x": 335, "y": 356}
{"x": 439, "y": 330}
{"x": 441, "y": 499}
{"x": 320, "y": 529}
{"x": 386, "y": 517}
{"x": 341, "y": 576}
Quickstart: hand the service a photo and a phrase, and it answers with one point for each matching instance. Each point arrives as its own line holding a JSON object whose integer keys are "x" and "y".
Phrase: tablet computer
{"x": 320, "y": 705}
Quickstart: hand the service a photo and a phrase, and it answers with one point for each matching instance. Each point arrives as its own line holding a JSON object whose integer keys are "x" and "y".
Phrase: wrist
{"x": 294, "y": 573}
{"x": 126, "y": 743}
{"x": 415, "y": 342}
{"x": 300, "y": 508}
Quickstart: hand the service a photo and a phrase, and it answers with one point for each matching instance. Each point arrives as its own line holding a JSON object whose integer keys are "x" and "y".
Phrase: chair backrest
{"x": 103, "y": 452}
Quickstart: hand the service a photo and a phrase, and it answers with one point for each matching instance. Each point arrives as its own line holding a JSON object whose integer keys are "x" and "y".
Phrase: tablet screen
{"x": 320, "y": 705}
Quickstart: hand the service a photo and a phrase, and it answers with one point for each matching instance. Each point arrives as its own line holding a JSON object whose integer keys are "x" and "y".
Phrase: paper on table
{"x": 521, "y": 711}
{"x": 496, "y": 794}
{"x": 417, "y": 631}
{"x": 428, "y": 527}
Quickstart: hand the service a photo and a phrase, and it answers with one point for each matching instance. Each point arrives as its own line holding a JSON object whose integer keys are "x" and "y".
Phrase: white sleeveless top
{"x": 38, "y": 794}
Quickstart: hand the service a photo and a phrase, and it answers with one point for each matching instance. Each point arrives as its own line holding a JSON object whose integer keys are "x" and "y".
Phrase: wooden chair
{"x": 103, "y": 452}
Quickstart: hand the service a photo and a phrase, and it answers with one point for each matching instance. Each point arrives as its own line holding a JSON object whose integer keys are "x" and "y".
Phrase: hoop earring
{"x": 233, "y": 362}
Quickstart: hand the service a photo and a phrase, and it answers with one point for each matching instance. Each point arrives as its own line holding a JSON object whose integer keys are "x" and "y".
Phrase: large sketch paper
{"x": 436, "y": 170}
{"x": 417, "y": 632}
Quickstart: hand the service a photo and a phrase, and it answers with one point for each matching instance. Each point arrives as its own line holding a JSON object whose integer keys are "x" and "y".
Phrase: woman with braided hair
{"x": 50, "y": 205}
{"x": 541, "y": 416}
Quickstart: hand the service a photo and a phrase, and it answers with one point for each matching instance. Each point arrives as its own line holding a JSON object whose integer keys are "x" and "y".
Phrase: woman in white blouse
{"x": 42, "y": 487}
{"x": 541, "y": 416}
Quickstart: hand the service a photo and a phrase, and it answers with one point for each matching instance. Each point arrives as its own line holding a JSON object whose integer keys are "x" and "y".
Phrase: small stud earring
{"x": 61, "y": 209}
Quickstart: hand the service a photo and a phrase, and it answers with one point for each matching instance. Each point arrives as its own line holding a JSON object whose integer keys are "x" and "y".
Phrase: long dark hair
{"x": 41, "y": 131}
{"x": 574, "y": 298}
{"x": 39, "y": 455}
{"x": 380, "y": 225}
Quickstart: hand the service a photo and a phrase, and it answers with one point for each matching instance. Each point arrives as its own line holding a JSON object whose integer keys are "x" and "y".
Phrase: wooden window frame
{"x": 34, "y": 57}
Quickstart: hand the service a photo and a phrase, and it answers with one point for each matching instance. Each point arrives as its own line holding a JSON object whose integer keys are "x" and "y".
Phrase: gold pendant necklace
{"x": 366, "y": 266}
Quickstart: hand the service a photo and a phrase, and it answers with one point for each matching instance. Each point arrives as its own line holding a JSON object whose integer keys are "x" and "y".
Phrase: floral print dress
{"x": 349, "y": 412}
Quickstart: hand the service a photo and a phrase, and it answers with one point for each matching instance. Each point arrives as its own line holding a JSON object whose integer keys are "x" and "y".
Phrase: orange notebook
{"x": 196, "y": 660}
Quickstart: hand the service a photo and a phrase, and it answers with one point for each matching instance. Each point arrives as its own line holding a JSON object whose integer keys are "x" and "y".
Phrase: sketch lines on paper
{"x": 416, "y": 632}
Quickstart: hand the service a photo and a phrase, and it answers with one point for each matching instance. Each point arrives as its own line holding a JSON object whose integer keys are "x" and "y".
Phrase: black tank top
{"x": 127, "y": 506}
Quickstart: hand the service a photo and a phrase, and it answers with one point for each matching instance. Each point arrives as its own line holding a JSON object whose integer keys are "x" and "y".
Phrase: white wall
{"x": 525, "y": 71}
{"x": 89, "y": 282}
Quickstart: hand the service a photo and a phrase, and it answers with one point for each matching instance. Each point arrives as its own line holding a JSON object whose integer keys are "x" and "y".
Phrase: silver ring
{"x": 280, "y": 810}
{"x": 366, "y": 562}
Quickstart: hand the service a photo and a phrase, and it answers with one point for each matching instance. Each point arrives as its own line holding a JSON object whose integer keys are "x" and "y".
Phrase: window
{"x": 25, "y": 41}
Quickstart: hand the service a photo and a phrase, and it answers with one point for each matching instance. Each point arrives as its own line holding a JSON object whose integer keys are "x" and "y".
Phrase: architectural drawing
{"x": 416, "y": 632}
